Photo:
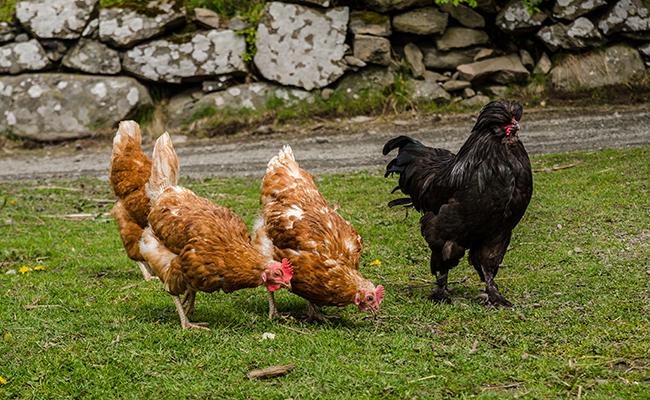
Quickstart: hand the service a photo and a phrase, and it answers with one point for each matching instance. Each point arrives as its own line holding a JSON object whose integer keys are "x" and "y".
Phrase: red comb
{"x": 379, "y": 294}
{"x": 287, "y": 269}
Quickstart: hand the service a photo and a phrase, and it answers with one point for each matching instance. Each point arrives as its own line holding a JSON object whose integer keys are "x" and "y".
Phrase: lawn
{"x": 80, "y": 322}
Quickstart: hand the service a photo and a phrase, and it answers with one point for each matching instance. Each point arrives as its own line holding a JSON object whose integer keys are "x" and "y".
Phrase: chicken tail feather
{"x": 284, "y": 157}
{"x": 165, "y": 167}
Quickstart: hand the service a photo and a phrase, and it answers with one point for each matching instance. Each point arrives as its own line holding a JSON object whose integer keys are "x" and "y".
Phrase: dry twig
{"x": 270, "y": 372}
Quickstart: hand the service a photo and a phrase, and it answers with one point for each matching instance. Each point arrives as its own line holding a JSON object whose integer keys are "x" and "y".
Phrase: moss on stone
{"x": 371, "y": 18}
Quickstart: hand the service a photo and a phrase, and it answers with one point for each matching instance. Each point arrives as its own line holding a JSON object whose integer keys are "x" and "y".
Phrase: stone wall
{"x": 69, "y": 67}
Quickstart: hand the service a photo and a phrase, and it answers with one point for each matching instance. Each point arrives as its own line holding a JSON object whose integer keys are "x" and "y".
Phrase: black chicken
{"x": 470, "y": 200}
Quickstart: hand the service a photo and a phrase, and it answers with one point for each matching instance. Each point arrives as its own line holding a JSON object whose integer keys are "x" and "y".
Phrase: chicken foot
{"x": 441, "y": 294}
{"x": 492, "y": 296}
{"x": 315, "y": 315}
{"x": 185, "y": 323}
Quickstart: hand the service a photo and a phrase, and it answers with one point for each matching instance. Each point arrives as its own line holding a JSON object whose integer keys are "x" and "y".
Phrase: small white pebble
{"x": 268, "y": 335}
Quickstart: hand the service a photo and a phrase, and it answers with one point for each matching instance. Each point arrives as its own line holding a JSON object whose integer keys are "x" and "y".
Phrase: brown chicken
{"x": 324, "y": 249}
{"x": 129, "y": 172}
{"x": 195, "y": 245}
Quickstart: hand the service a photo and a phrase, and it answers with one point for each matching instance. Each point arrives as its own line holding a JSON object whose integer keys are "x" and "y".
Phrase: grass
{"x": 578, "y": 272}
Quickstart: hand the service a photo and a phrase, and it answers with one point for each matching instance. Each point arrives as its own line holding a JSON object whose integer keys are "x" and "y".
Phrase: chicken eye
{"x": 370, "y": 298}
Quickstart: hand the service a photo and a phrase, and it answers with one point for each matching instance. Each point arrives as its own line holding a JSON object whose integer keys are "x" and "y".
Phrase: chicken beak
{"x": 287, "y": 285}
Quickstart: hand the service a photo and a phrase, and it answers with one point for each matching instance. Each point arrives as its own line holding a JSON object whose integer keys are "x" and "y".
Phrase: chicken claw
{"x": 185, "y": 323}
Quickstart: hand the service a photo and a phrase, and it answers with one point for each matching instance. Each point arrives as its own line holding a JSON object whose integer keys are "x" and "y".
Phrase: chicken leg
{"x": 315, "y": 315}
{"x": 441, "y": 294}
{"x": 147, "y": 273}
{"x": 185, "y": 323}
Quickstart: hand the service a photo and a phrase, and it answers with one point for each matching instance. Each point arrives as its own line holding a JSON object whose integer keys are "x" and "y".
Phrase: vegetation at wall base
{"x": 78, "y": 320}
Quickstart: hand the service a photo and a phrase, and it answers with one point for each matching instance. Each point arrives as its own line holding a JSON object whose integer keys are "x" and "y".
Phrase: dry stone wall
{"x": 69, "y": 67}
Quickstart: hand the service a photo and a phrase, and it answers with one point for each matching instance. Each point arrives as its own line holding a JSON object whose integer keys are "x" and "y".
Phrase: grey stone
{"x": 478, "y": 100}
{"x": 207, "y": 54}
{"x": 644, "y": 49}
{"x": 54, "y": 49}
{"x": 487, "y": 6}
{"x": 369, "y": 23}
{"x": 458, "y": 38}
{"x": 236, "y": 24}
{"x": 501, "y": 70}
{"x": 21, "y": 38}
{"x": 252, "y": 96}
{"x": 468, "y": 92}
{"x": 93, "y": 57}
{"x": 463, "y": 14}
{"x": 496, "y": 90}
{"x": 526, "y": 59}
{"x": 414, "y": 58}
{"x": 354, "y": 62}
{"x": 124, "y": 27}
{"x": 448, "y": 60}
{"x": 617, "y": 64}
{"x": 206, "y": 18}
{"x": 579, "y": 35}
{"x": 300, "y": 46}
{"x": 421, "y": 21}
{"x": 626, "y": 16}
{"x": 372, "y": 49}
{"x": 55, "y": 19}
{"x": 424, "y": 91}
{"x": 515, "y": 19}
{"x": 484, "y": 54}
{"x": 51, "y": 107}
{"x": 181, "y": 107}
{"x": 572, "y": 9}
{"x": 434, "y": 76}
{"x": 454, "y": 86}
{"x": 8, "y": 32}
{"x": 373, "y": 77}
{"x": 327, "y": 93}
{"x": 383, "y": 6}
{"x": 319, "y": 3}
{"x": 92, "y": 29}
{"x": 23, "y": 56}
{"x": 543, "y": 66}
{"x": 222, "y": 82}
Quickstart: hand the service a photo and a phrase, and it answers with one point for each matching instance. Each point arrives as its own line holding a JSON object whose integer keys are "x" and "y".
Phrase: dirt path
{"x": 327, "y": 150}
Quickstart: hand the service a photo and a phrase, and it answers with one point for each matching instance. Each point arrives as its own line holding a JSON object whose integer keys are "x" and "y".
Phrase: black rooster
{"x": 470, "y": 200}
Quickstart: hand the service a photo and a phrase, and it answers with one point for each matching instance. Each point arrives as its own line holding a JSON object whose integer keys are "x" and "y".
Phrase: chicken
{"x": 470, "y": 200}
{"x": 195, "y": 245}
{"x": 324, "y": 249}
{"x": 129, "y": 172}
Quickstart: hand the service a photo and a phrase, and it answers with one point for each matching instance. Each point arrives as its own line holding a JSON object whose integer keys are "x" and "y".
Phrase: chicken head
{"x": 369, "y": 300}
{"x": 278, "y": 275}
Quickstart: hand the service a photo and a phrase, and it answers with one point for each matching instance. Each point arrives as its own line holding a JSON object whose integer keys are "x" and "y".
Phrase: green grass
{"x": 577, "y": 272}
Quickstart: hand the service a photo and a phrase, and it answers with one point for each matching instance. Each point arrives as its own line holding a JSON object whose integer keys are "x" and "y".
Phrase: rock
{"x": 414, "y": 58}
{"x": 54, "y": 49}
{"x": 181, "y": 107}
{"x": 125, "y": 27}
{"x": 91, "y": 31}
{"x": 496, "y": 90}
{"x": 222, "y": 82}
{"x": 626, "y": 16}
{"x": 434, "y": 76}
{"x": 206, "y": 54}
{"x": 354, "y": 62}
{"x": 236, "y": 24}
{"x": 484, "y": 54}
{"x": 543, "y": 65}
{"x": 644, "y": 50}
{"x": 526, "y": 59}
{"x": 458, "y": 38}
{"x": 617, "y": 64}
{"x": 487, "y": 6}
{"x": 478, "y": 100}
{"x": 372, "y": 49}
{"x": 319, "y": 3}
{"x": 327, "y": 93}
{"x": 454, "y": 85}
{"x": 369, "y": 23}
{"x": 52, "y": 107}
{"x": 501, "y": 70}
{"x": 579, "y": 35}
{"x": 448, "y": 60}
{"x": 463, "y": 14}
{"x": 426, "y": 91}
{"x": 383, "y": 6}
{"x": 55, "y": 19}
{"x": 8, "y": 32}
{"x": 515, "y": 19}
{"x": 252, "y": 96}
{"x": 24, "y": 56}
{"x": 373, "y": 77}
{"x": 93, "y": 57}
{"x": 572, "y": 9}
{"x": 21, "y": 38}
{"x": 421, "y": 21}
{"x": 468, "y": 92}
{"x": 206, "y": 18}
{"x": 299, "y": 46}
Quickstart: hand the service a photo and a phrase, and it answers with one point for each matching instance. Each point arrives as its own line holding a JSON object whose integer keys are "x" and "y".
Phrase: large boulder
{"x": 578, "y": 35}
{"x": 501, "y": 69}
{"x": 515, "y": 19}
{"x": 92, "y": 57}
{"x": 626, "y": 16}
{"x": 51, "y": 107}
{"x": 20, "y": 57}
{"x": 55, "y": 19}
{"x": 301, "y": 46}
{"x": 205, "y": 54}
{"x": 125, "y": 27}
{"x": 421, "y": 21}
{"x": 618, "y": 64}
{"x": 572, "y": 9}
